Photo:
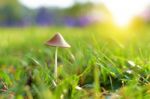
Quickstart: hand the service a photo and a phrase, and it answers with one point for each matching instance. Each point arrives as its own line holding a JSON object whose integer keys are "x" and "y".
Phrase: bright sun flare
{"x": 124, "y": 10}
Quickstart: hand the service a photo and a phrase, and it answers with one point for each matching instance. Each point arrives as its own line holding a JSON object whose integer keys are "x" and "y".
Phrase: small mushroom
{"x": 57, "y": 41}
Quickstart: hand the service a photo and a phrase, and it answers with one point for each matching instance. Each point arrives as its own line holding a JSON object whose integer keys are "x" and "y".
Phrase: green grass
{"x": 105, "y": 62}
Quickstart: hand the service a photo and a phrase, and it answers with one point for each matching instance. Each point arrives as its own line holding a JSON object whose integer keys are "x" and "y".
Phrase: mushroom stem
{"x": 55, "y": 67}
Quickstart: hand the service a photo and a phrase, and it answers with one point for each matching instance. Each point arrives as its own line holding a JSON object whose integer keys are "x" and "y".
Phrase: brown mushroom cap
{"x": 58, "y": 41}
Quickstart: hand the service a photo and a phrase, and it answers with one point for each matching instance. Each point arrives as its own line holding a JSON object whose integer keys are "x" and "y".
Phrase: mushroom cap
{"x": 58, "y": 41}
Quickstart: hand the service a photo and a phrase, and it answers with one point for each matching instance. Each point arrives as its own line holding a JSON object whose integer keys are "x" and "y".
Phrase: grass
{"x": 103, "y": 62}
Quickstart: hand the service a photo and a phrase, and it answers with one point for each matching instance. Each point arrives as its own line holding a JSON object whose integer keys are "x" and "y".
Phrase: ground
{"x": 103, "y": 62}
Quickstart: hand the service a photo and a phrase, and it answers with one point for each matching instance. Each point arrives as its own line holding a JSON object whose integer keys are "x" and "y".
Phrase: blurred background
{"x": 73, "y": 13}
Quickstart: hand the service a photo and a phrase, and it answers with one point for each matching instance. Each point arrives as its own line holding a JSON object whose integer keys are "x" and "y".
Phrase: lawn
{"x": 103, "y": 62}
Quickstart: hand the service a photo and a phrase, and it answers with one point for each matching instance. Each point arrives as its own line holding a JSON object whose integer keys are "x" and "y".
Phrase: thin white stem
{"x": 55, "y": 67}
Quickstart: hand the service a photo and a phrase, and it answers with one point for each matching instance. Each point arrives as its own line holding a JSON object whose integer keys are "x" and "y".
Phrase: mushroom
{"x": 57, "y": 41}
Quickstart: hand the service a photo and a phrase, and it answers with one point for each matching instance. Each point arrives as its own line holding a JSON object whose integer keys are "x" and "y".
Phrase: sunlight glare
{"x": 124, "y": 10}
